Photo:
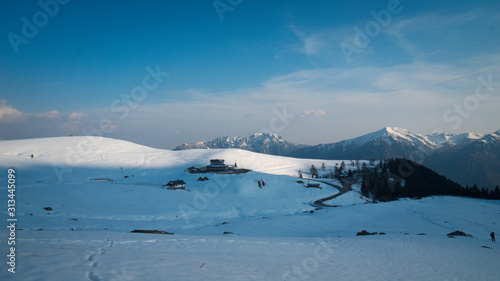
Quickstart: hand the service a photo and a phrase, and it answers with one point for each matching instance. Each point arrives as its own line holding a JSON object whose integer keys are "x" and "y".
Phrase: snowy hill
{"x": 105, "y": 152}
{"x": 66, "y": 166}
{"x": 72, "y": 227}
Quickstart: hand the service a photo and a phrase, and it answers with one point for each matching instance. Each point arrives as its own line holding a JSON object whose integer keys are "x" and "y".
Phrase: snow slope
{"x": 111, "y": 153}
{"x": 61, "y": 176}
{"x": 271, "y": 233}
{"x": 127, "y": 257}
{"x": 319, "y": 246}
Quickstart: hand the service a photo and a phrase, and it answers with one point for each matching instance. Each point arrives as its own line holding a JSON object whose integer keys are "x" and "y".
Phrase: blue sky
{"x": 237, "y": 67}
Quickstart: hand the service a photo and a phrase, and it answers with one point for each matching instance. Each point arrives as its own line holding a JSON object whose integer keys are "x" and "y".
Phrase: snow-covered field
{"x": 271, "y": 233}
{"x": 121, "y": 256}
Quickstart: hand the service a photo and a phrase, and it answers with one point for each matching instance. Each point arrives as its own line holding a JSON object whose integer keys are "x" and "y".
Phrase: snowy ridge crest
{"x": 269, "y": 143}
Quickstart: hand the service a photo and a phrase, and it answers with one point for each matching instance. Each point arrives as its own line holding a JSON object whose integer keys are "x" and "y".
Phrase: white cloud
{"x": 48, "y": 114}
{"x": 11, "y": 114}
{"x": 8, "y": 113}
{"x": 77, "y": 115}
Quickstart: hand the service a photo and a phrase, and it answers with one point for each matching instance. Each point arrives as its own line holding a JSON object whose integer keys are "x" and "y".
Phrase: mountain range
{"x": 466, "y": 158}
{"x": 260, "y": 142}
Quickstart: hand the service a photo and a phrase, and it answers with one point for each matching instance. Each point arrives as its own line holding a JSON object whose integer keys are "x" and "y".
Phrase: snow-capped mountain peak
{"x": 434, "y": 141}
{"x": 396, "y": 131}
{"x": 491, "y": 138}
{"x": 390, "y": 135}
{"x": 269, "y": 143}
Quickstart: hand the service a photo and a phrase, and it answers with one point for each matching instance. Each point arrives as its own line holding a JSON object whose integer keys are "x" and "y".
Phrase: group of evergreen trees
{"x": 339, "y": 170}
{"x": 398, "y": 178}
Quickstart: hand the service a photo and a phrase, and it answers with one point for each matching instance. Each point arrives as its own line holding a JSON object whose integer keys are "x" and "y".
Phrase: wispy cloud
{"x": 312, "y": 43}
{"x": 321, "y": 46}
{"x": 416, "y": 38}
{"x": 431, "y": 28}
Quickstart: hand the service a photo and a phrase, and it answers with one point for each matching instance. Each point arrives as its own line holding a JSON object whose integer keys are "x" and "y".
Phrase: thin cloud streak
{"x": 413, "y": 94}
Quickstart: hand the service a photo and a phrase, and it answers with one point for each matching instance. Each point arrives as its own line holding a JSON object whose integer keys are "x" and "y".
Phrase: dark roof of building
{"x": 176, "y": 182}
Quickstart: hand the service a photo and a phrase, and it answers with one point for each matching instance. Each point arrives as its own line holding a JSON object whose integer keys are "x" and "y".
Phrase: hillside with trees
{"x": 398, "y": 178}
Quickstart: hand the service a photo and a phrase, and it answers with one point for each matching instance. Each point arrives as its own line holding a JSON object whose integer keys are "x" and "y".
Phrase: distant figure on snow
{"x": 492, "y": 236}
{"x": 32, "y": 156}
